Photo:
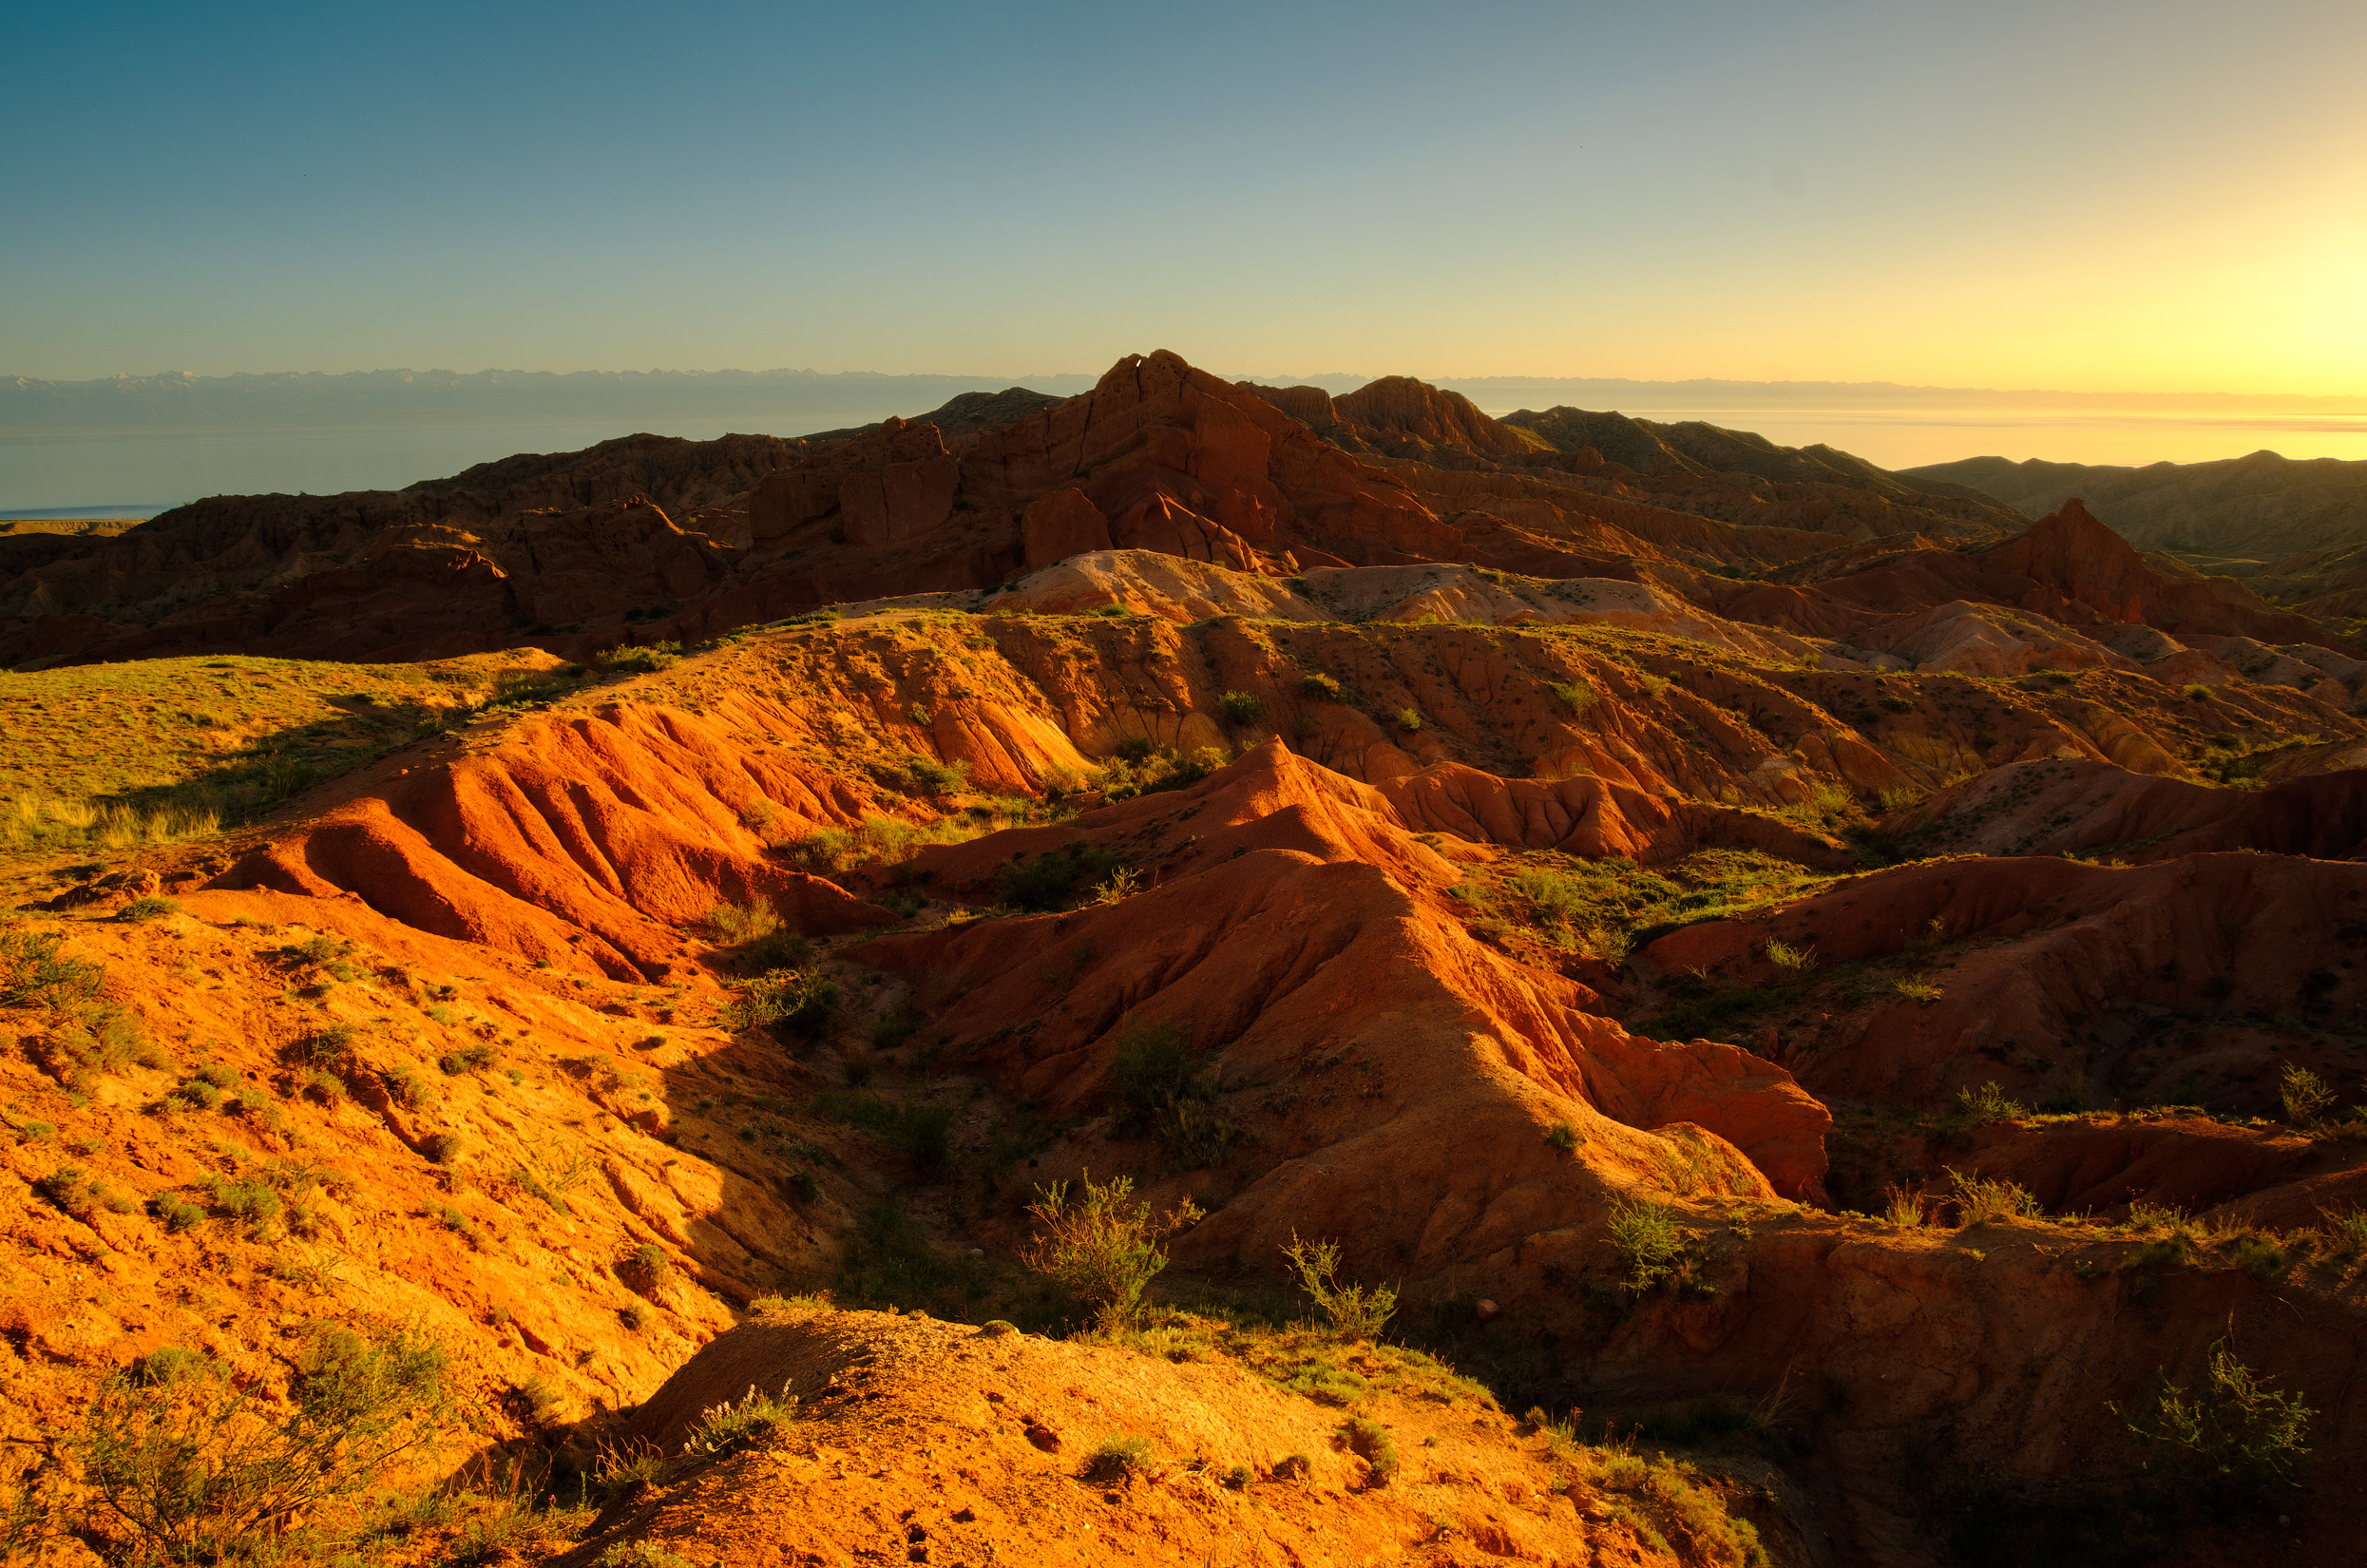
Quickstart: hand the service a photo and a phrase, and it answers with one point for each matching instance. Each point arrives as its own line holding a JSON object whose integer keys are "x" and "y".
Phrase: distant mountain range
{"x": 182, "y": 400}
{"x": 2262, "y": 508}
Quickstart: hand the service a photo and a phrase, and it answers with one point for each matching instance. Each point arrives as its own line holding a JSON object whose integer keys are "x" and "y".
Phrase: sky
{"x": 2164, "y": 197}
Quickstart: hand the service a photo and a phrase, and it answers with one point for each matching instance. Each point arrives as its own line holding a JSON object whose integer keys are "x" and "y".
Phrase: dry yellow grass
{"x": 113, "y": 756}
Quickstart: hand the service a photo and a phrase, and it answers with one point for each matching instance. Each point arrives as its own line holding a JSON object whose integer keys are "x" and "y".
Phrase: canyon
{"x": 1820, "y": 993}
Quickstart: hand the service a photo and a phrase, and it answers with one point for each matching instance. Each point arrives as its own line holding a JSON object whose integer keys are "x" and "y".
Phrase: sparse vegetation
{"x": 1979, "y": 1200}
{"x": 1370, "y": 1442}
{"x": 34, "y": 972}
{"x": 1988, "y": 1103}
{"x": 792, "y": 1000}
{"x": 1784, "y": 955}
{"x": 724, "y": 1427}
{"x": 2230, "y": 1440}
{"x": 1164, "y": 1088}
{"x": 2304, "y": 1095}
{"x": 1242, "y": 708}
{"x": 1118, "y": 1458}
{"x": 1355, "y": 1311}
{"x": 174, "y": 1459}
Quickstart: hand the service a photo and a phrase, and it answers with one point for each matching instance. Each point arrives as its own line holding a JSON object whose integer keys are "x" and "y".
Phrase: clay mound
{"x": 2061, "y": 806}
{"x": 2061, "y": 982}
{"x": 2068, "y": 568}
{"x": 1298, "y": 938}
{"x": 919, "y": 1441}
{"x": 584, "y": 841}
{"x": 1401, "y": 406}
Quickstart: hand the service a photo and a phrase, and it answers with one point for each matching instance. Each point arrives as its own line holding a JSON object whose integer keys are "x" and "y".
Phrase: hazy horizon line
{"x": 1783, "y": 386}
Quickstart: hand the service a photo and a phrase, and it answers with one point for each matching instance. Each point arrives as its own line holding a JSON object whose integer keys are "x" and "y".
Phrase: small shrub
{"x": 1163, "y": 1088}
{"x": 1357, "y": 1311}
{"x": 724, "y": 1427}
{"x": 1918, "y": 987}
{"x": 1409, "y": 719}
{"x": 1565, "y": 1137}
{"x": 99, "y": 1039}
{"x": 1577, "y": 698}
{"x": 1238, "y": 1478}
{"x": 35, "y": 973}
{"x": 1898, "y": 704}
{"x": 2305, "y": 1096}
{"x": 1988, "y": 1103}
{"x": 1292, "y": 1466}
{"x": 440, "y": 1148}
{"x": 733, "y": 924}
{"x": 1119, "y": 1459}
{"x": 1370, "y": 1442}
{"x": 1646, "y": 1238}
{"x": 658, "y": 656}
{"x": 180, "y": 1463}
{"x": 1123, "y": 884}
{"x": 646, "y": 1268}
{"x": 642, "y": 1554}
{"x": 1905, "y": 1209}
{"x": 1102, "y": 1248}
{"x": 76, "y": 1191}
{"x": 1242, "y": 707}
{"x": 784, "y": 999}
{"x": 404, "y": 1087}
{"x": 803, "y": 1184}
{"x": 634, "y": 1316}
{"x": 1322, "y": 688}
{"x": 175, "y": 1212}
{"x": 2195, "y": 692}
{"x": 2230, "y": 1440}
{"x": 469, "y": 1058}
{"x": 1980, "y": 1200}
{"x": 1799, "y": 960}
{"x": 1048, "y": 880}
{"x": 150, "y": 907}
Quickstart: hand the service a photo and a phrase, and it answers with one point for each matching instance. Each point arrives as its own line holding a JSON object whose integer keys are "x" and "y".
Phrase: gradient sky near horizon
{"x": 2165, "y": 197}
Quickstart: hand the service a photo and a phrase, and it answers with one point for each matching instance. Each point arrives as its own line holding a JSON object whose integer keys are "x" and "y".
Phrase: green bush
{"x": 150, "y": 907}
{"x": 2229, "y": 1439}
{"x": 1118, "y": 1458}
{"x": 1988, "y": 1103}
{"x": 789, "y": 1000}
{"x": 1370, "y": 1442}
{"x": 1102, "y": 1246}
{"x": 723, "y": 1427}
{"x": 175, "y": 1212}
{"x": 1049, "y": 881}
{"x": 1161, "y": 1087}
{"x": 1355, "y": 1312}
{"x": 1565, "y": 1137}
{"x": 1648, "y": 1240}
{"x": 658, "y": 656}
{"x": 1409, "y": 719}
{"x": 1242, "y": 707}
{"x": 1979, "y": 1200}
{"x": 76, "y": 1191}
{"x": 1577, "y": 698}
{"x": 175, "y": 1460}
{"x": 1320, "y": 687}
{"x": 35, "y": 973}
{"x": 99, "y": 1039}
{"x": 2195, "y": 692}
{"x": 2304, "y": 1095}
{"x": 469, "y": 1058}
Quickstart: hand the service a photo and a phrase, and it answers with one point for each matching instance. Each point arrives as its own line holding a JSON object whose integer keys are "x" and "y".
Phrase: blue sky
{"x": 2165, "y": 197}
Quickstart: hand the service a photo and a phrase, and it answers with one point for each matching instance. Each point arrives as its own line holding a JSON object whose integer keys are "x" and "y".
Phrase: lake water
{"x": 138, "y": 472}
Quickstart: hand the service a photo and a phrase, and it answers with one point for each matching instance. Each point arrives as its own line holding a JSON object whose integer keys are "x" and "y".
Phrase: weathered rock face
{"x": 1169, "y": 458}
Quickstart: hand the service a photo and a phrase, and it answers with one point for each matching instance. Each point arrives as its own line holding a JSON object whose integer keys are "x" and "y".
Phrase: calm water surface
{"x": 51, "y": 472}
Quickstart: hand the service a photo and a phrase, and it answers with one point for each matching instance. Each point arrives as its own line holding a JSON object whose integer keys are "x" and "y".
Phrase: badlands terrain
{"x": 1833, "y": 1005}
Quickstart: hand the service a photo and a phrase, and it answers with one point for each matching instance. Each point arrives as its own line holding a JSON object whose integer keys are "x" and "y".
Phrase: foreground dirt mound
{"x": 926, "y": 1441}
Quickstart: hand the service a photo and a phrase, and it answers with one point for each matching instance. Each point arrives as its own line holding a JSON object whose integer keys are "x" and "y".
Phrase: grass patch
{"x": 149, "y": 751}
